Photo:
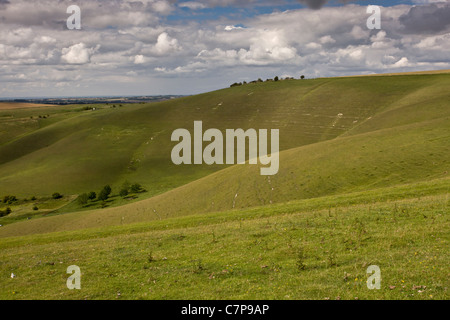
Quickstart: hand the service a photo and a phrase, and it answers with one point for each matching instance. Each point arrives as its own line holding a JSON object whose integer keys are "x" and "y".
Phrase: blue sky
{"x": 263, "y": 7}
{"x": 151, "y": 47}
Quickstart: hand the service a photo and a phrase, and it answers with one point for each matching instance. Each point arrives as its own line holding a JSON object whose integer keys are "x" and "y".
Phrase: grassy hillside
{"x": 311, "y": 249}
{"x": 363, "y": 181}
{"x": 339, "y": 135}
{"x": 75, "y": 151}
{"x": 388, "y": 157}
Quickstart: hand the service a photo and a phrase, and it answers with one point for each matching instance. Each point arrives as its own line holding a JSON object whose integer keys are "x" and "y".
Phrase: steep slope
{"x": 387, "y": 157}
{"x": 86, "y": 151}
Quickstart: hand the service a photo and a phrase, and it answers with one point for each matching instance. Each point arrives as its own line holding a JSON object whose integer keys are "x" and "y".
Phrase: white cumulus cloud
{"x": 77, "y": 54}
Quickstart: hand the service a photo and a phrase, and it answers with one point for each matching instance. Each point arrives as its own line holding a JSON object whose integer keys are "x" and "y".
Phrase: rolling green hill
{"x": 75, "y": 151}
{"x": 363, "y": 180}
{"x": 339, "y": 135}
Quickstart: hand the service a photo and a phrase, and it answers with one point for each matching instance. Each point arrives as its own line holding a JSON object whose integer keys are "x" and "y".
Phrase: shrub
{"x": 123, "y": 192}
{"x": 57, "y": 195}
{"x": 35, "y": 208}
{"x": 83, "y": 198}
{"x": 136, "y": 188}
{"x": 104, "y": 194}
{"x": 276, "y": 78}
{"x": 33, "y": 198}
{"x": 92, "y": 195}
{"x": 6, "y": 212}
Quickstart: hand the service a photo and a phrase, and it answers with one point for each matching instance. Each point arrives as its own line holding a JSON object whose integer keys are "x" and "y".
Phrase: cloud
{"x": 77, "y": 54}
{"x": 166, "y": 45}
{"x": 4, "y": 3}
{"x": 231, "y": 28}
{"x": 192, "y": 5}
{"x": 427, "y": 18}
{"x": 127, "y": 41}
{"x": 139, "y": 59}
{"x": 403, "y": 62}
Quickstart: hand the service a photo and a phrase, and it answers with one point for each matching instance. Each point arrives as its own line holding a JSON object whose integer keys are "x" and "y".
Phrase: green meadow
{"x": 363, "y": 181}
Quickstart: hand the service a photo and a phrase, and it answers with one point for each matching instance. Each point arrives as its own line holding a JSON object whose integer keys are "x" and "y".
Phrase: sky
{"x": 179, "y": 47}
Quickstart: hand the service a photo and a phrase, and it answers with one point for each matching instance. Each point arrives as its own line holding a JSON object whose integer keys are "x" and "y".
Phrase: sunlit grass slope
{"x": 310, "y": 249}
{"x": 388, "y": 157}
{"x": 74, "y": 151}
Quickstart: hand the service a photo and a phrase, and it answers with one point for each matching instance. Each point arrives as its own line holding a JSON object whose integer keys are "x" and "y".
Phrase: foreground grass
{"x": 315, "y": 252}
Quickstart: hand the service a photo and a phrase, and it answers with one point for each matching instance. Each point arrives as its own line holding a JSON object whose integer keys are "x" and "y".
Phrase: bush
{"x": 35, "y": 208}
{"x": 33, "y": 198}
{"x": 123, "y": 192}
{"x": 6, "y": 212}
{"x": 136, "y": 188}
{"x": 83, "y": 198}
{"x": 104, "y": 194}
{"x": 276, "y": 78}
{"x": 92, "y": 195}
{"x": 56, "y": 195}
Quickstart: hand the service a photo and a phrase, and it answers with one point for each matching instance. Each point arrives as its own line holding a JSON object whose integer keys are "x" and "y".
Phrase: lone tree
{"x": 83, "y": 199}
{"x": 104, "y": 194}
{"x": 276, "y": 78}
{"x": 302, "y": 77}
{"x": 136, "y": 188}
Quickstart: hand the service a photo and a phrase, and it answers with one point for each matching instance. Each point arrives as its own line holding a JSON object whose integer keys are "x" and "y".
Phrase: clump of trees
{"x": 9, "y": 199}
{"x": 237, "y": 84}
{"x": 128, "y": 188}
{"x": 105, "y": 193}
{"x": 84, "y": 198}
{"x": 5, "y": 212}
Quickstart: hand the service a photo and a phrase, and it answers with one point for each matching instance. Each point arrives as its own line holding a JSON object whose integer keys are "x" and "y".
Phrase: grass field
{"x": 19, "y": 105}
{"x": 316, "y": 249}
{"x": 363, "y": 181}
